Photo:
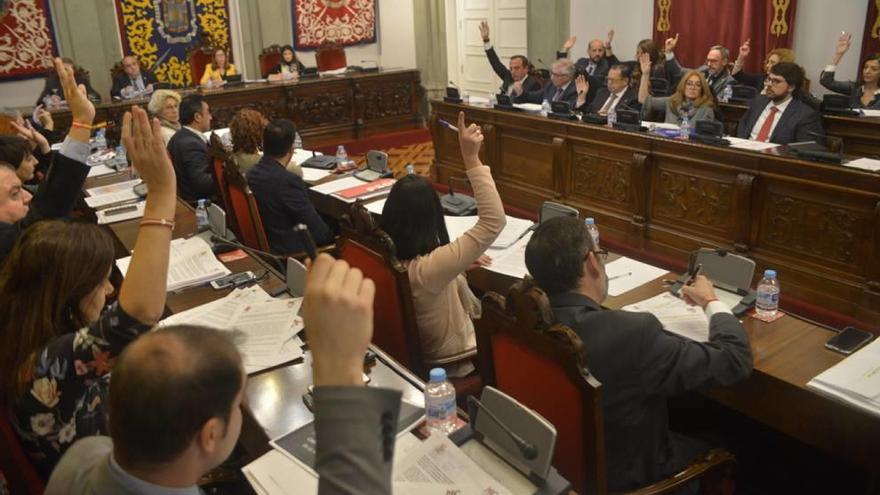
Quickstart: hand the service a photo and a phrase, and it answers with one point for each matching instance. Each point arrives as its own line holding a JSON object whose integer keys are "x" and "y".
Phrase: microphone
{"x": 216, "y": 239}
{"x": 824, "y": 139}
{"x": 543, "y": 64}
{"x": 460, "y": 205}
{"x": 453, "y": 84}
{"x": 527, "y": 449}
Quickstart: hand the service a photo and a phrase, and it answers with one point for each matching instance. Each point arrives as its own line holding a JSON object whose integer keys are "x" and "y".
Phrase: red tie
{"x": 764, "y": 133}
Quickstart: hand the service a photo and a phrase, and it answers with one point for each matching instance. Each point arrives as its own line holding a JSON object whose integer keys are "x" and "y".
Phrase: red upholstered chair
{"x": 364, "y": 245}
{"x": 243, "y": 207}
{"x": 219, "y": 155}
{"x": 15, "y": 465}
{"x": 269, "y": 57}
{"x": 542, "y": 364}
{"x": 330, "y": 56}
{"x": 199, "y": 57}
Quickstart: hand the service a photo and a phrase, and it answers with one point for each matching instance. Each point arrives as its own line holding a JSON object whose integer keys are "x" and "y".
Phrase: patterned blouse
{"x": 67, "y": 389}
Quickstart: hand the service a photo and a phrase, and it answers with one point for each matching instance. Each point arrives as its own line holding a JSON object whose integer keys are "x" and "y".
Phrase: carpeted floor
{"x": 403, "y": 148}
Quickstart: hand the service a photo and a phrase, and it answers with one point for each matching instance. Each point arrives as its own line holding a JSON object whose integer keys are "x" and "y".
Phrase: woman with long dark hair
{"x": 413, "y": 217}
{"x": 288, "y": 68}
{"x": 864, "y": 93}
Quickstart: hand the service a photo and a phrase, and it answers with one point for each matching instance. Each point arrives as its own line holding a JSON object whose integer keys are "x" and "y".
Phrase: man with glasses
{"x": 617, "y": 93}
{"x": 518, "y": 71}
{"x": 561, "y": 89}
{"x": 777, "y": 115}
{"x": 715, "y": 69}
{"x": 638, "y": 364}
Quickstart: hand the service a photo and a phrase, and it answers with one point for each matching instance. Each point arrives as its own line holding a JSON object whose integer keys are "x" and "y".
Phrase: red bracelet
{"x": 164, "y": 222}
{"x": 81, "y": 125}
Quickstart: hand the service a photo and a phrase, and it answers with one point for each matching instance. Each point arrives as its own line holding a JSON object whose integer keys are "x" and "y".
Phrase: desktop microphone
{"x": 461, "y": 205}
{"x": 216, "y": 239}
{"x": 527, "y": 449}
{"x": 453, "y": 84}
{"x": 543, "y": 64}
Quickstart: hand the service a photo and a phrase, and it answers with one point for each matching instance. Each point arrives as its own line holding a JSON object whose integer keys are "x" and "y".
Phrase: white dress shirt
{"x": 756, "y": 129}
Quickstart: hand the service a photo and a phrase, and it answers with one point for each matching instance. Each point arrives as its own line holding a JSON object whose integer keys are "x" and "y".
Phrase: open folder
{"x": 191, "y": 262}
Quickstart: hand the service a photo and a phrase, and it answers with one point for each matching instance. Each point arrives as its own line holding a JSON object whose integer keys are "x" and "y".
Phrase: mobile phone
{"x": 233, "y": 280}
{"x": 849, "y": 340}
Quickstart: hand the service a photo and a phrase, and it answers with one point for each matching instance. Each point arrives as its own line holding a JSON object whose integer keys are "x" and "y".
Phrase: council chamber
{"x": 439, "y": 246}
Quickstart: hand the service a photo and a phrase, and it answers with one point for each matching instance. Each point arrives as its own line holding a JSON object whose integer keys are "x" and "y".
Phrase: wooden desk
{"x": 325, "y": 110}
{"x": 818, "y": 225}
{"x": 861, "y": 135}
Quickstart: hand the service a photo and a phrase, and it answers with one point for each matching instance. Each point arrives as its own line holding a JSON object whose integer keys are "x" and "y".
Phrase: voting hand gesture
{"x": 843, "y": 43}
{"x": 645, "y": 63}
{"x": 484, "y": 31}
{"x": 470, "y": 138}
{"x": 81, "y": 108}
{"x": 582, "y": 85}
{"x": 143, "y": 143}
{"x": 569, "y": 43}
{"x": 671, "y": 43}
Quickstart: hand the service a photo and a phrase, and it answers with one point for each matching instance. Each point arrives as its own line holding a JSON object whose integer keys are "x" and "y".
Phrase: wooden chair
{"x": 243, "y": 208}
{"x": 525, "y": 353}
{"x": 20, "y": 473}
{"x": 364, "y": 245}
{"x": 330, "y": 56}
{"x": 269, "y": 58}
{"x": 219, "y": 155}
{"x": 198, "y": 58}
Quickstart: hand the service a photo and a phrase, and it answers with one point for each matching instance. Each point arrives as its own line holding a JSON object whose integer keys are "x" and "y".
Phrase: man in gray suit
{"x": 176, "y": 394}
{"x": 638, "y": 363}
{"x": 714, "y": 70}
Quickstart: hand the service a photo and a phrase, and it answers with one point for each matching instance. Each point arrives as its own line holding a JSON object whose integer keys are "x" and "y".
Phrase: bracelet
{"x": 164, "y": 222}
{"x": 81, "y": 125}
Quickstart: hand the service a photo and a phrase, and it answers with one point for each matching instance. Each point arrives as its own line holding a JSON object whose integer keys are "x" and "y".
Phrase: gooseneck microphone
{"x": 527, "y": 449}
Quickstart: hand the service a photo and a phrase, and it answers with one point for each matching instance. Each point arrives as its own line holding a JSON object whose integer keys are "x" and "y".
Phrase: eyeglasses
{"x": 599, "y": 253}
{"x": 560, "y": 74}
{"x": 612, "y": 79}
{"x": 774, "y": 80}
{"x": 693, "y": 84}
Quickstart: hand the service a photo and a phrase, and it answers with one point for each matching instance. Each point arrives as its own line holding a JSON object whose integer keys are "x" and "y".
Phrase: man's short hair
{"x": 278, "y": 138}
{"x": 625, "y": 70}
{"x": 189, "y": 106}
{"x": 166, "y": 385}
{"x": 791, "y": 72}
{"x": 725, "y": 53}
{"x": 555, "y": 254}
{"x": 523, "y": 59}
{"x": 14, "y": 149}
{"x": 565, "y": 65}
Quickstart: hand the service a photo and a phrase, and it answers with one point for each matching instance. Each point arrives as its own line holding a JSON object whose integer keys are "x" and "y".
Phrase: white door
{"x": 507, "y": 32}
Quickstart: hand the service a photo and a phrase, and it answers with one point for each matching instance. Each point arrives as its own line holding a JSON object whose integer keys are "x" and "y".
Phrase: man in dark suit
{"x": 53, "y": 94}
{"x": 714, "y": 70}
{"x": 176, "y": 399}
{"x": 518, "y": 71}
{"x": 281, "y": 195}
{"x": 778, "y": 115}
{"x": 561, "y": 89}
{"x": 132, "y": 82}
{"x": 617, "y": 92}
{"x": 637, "y": 362}
{"x": 188, "y": 148}
{"x": 595, "y": 64}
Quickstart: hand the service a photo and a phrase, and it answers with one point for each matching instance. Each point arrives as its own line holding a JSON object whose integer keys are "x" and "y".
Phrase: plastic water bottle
{"x": 101, "y": 139}
{"x": 341, "y": 155}
{"x": 440, "y": 403}
{"x": 726, "y": 93}
{"x": 298, "y": 142}
{"x": 202, "y": 216}
{"x": 612, "y": 116}
{"x": 590, "y": 223}
{"x": 121, "y": 159}
{"x": 545, "y": 107}
{"x": 684, "y": 130}
{"x": 410, "y": 169}
{"x": 767, "y": 302}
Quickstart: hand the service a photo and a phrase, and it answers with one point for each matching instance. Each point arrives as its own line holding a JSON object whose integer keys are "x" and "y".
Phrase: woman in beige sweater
{"x": 413, "y": 217}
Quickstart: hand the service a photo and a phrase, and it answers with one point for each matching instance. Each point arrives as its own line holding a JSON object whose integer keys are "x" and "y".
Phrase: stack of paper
{"x": 677, "y": 316}
{"x": 114, "y": 193}
{"x": 120, "y": 213}
{"x": 510, "y": 261}
{"x": 438, "y": 466}
{"x": 747, "y": 144}
{"x": 264, "y": 328}
{"x": 870, "y": 164}
{"x": 513, "y": 231}
{"x": 625, "y": 274}
{"x": 855, "y": 380}
{"x": 100, "y": 170}
{"x": 191, "y": 263}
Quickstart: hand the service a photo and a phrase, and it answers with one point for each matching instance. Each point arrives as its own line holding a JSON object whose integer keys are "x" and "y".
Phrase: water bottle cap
{"x": 201, "y": 203}
{"x": 340, "y": 148}
{"x": 590, "y": 221}
{"x": 438, "y": 375}
{"x": 769, "y": 273}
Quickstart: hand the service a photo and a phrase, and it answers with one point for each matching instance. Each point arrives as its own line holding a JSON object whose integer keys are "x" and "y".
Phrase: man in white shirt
{"x": 778, "y": 115}
{"x": 562, "y": 86}
{"x": 517, "y": 72}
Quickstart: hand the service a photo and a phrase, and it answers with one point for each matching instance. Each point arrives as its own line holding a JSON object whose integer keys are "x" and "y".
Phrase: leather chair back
{"x": 243, "y": 207}
{"x": 330, "y": 56}
{"x": 21, "y": 475}
{"x": 199, "y": 58}
{"x": 269, "y": 57}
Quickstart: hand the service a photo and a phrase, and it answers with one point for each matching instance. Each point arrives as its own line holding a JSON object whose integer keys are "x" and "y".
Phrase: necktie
{"x": 608, "y": 104}
{"x": 764, "y": 133}
{"x": 558, "y": 94}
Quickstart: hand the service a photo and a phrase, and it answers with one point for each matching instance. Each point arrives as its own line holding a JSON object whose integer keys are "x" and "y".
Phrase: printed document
{"x": 677, "y": 316}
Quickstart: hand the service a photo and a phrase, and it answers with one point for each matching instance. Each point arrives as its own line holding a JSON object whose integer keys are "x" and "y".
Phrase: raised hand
{"x": 338, "y": 338}
{"x": 518, "y": 87}
{"x": 671, "y": 43}
{"x": 36, "y": 139}
{"x": 569, "y": 43}
{"x": 470, "y": 138}
{"x": 610, "y": 37}
{"x": 44, "y": 117}
{"x": 582, "y": 85}
{"x": 843, "y": 43}
{"x": 81, "y": 108}
{"x": 143, "y": 143}
{"x": 484, "y": 31}
{"x": 645, "y": 63}
{"x": 745, "y": 49}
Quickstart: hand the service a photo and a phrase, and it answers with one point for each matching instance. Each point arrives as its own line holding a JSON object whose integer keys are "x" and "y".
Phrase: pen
{"x": 309, "y": 241}
{"x": 447, "y": 125}
{"x": 627, "y": 274}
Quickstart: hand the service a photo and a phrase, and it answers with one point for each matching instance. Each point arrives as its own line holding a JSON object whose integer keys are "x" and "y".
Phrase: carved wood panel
{"x": 696, "y": 200}
{"x": 393, "y": 99}
{"x": 321, "y": 108}
{"x": 809, "y": 228}
{"x": 603, "y": 179}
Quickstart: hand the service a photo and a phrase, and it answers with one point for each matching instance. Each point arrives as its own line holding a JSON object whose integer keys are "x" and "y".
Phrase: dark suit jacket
{"x": 547, "y": 93}
{"x": 795, "y": 123}
{"x": 529, "y": 83}
{"x": 630, "y": 98}
{"x": 669, "y": 69}
{"x": 122, "y": 80}
{"x": 189, "y": 154}
{"x": 284, "y": 202}
{"x": 582, "y": 63}
{"x": 849, "y": 88}
{"x": 55, "y": 198}
{"x": 639, "y": 366}
{"x": 276, "y": 69}
{"x": 53, "y": 87}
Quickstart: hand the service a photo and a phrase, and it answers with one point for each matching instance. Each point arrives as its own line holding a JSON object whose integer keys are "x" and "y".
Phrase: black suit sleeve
{"x": 499, "y": 68}
{"x": 58, "y": 193}
{"x": 355, "y": 431}
{"x": 811, "y": 123}
{"x": 119, "y": 83}
{"x": 296, "y": 201}
{"x": 673, "y": 365}
{"x": 744, "y": 128}
{"x": 197, "y": 170}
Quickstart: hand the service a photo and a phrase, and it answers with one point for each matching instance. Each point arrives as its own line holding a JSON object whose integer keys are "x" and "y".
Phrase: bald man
{"x": 594, "y": 64}
{"x": 132, "y": 82}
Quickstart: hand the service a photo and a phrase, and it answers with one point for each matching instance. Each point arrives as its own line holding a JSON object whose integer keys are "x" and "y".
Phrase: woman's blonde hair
{"x": 158, "y": 99}
{"x": 705, "y": 100}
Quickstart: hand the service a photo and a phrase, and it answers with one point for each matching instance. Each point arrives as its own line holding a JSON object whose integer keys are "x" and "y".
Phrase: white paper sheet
{"x": 338, "y": 185}
{"x": 855, "y": 380}
{"x": 191, "y": 262}
{"x": 513, "y": 230}
{"x": 510, "y": 261}
{"x": 869, "y": 164}
{"x": 677, "y": 316}
{"x": 625, "y": 274}
{"x": 114, "y": 193}
{"x": 276, "y": 474}
{"x": 100, "y": 170}
{"x": 376, "y": 206}
{"x": 746, "y": 144}
{"x": 314, "y": 174}
{"x": 869, "y": 112}
{"x": 528, "y": 107}
{"x": 109, "y": 215}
